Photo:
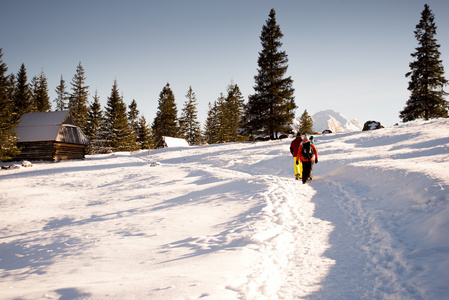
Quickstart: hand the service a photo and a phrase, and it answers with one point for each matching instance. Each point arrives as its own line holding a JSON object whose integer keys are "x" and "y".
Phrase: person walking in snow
{"x": 308, "y": 155}
{"x": 312, "y": 140}
{"x": 294, "y": 146}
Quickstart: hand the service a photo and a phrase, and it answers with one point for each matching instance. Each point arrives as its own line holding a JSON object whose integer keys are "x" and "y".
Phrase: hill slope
{"x": 230, "y": 222}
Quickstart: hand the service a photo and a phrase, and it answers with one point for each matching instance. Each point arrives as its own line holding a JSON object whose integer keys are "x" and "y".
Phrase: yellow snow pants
{"x": 298, "y": 168}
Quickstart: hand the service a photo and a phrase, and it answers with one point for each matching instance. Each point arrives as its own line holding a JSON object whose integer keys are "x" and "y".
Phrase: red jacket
{"x": 294, "y": 146}
{"x": 299, "y": 154}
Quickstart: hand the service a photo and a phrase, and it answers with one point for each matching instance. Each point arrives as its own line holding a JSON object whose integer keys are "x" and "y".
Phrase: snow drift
{"x": 230, "y": 222}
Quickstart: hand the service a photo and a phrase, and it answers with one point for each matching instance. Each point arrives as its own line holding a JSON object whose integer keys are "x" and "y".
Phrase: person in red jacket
{"x": 294, "y": 146}
{"x": 308, "y": 155}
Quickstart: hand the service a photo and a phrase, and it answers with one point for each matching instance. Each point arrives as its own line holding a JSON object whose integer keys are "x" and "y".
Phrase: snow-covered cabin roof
{"x": 175, "y": 142}
{"x": 56, "y": 126}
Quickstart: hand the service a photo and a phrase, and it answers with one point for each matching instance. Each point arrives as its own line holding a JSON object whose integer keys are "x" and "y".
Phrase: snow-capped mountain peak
{"x": 334, "y": 121}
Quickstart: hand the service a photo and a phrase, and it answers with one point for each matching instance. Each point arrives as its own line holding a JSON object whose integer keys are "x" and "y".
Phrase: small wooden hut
{"x": 50, "y": 136}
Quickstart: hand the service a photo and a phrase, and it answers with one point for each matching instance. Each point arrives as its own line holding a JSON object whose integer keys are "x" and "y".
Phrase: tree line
{"x": 116, "y": 127}
{"x": 268, "y": 112}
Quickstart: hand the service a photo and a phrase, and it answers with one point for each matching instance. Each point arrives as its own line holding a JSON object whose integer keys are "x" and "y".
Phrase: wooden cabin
{"x": 51, "y": 136}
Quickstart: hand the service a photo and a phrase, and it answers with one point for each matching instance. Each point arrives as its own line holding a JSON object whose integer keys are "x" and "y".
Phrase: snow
{"x": 175, "y": 142}
{"x": 229, "y": 221}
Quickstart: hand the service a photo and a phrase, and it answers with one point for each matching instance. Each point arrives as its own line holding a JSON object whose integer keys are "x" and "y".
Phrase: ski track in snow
{"x": 230, "y": 222}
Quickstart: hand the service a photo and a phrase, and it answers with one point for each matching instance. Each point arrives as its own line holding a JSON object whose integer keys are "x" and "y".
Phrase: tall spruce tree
{"x": 11, "y": 88}
{"x": 95, "y": 128}
{"x": 305, "y": 123}
{"x": 190, "y": 126}
{"x": 22, "y": 95}
{"x": 222, "y": 132}
{"x": 62, "y": 96}
{"x": 40, "y": 99}
{"x": 218, "y": 119}
{"x": 234, "y": 110}
{"x": 120, "y": 134}
{"x": 78, "y": 100}
{"x": 133, "y": 116}
{"x": 144, "y": 137}
{"x": 270, "y": 109}
{"x": 427, "y": 75}
{"x": 211, "y": 126}
{"x": 33, "y": 91}
{"x": 166, "y": 121}
{"x": 8, "y": 137}
{"x": 224, "y": 117}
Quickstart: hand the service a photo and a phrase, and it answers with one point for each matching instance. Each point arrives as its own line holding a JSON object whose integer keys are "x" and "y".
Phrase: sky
{"x": 346, "y": 55}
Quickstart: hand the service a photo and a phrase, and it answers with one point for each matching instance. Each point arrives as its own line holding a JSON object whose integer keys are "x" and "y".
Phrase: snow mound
{"x": 334, "y": 121}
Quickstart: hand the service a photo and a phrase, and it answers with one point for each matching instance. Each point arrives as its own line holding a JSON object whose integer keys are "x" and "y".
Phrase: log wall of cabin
{"x": 50, "y": 151}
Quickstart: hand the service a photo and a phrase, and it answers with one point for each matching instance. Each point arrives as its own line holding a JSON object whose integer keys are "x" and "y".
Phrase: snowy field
{"x": 230, "y": 222}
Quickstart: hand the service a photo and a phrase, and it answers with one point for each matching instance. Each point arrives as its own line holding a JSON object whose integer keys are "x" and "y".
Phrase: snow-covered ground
{"x": 230, "y": 222}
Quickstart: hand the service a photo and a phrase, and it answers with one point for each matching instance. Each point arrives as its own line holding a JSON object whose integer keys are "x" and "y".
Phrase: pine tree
{"x": 166, "y": 121}
{"x": 270, "y": 109}
{"x": 305, "y": 123}
{"x": 78, "y": 100}
{"x": 62, "y": 97}
{"x": 120, "y": 134}
{"x": 95, "y": 128}
{"x": 234, "y": 110}
{"x": 224, "y": 117}
{"x": 221, "y": 119}
{"x": 33, "y": 91}
{"x": 133, "y": 116}
{"x": 144, "y": 134}
{"x": 40, "y": 99}
{"x": 221, "y": 132}
{"x": 11, "y": 88}
{"x": 22, "y": 95}
{"x": 211, "y": 126}
{"x": 8, "y": 138}
{"x": 427, "y": 75}
{"x": 190, "y": 126}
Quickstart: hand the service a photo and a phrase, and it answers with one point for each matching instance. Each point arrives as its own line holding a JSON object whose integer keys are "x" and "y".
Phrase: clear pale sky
{"x": 347, "y": 55}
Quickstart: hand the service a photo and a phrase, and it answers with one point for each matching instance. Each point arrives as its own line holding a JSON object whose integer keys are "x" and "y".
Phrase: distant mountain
{"x": 334, "y": 121}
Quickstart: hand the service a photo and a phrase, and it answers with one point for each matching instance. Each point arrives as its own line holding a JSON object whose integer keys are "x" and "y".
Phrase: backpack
{"x": 306, "y": 151}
